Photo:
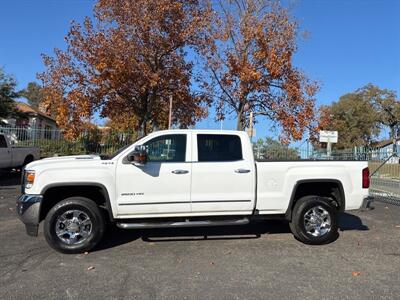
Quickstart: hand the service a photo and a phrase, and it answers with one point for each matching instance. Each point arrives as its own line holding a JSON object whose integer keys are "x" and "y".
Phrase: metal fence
{"x": 384, "y": 163}
{"x": 53, "y": 142}
{"x": 385, "y": 176}
{"x": 280, "y": 152}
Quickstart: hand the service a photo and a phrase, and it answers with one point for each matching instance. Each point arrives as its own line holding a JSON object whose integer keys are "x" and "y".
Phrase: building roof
{"x": 27, "y": 109}
{"x": 385, "y": 143}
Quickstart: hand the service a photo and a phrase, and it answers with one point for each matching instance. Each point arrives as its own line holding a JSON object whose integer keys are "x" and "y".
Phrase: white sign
{"x": 328, "y": 136}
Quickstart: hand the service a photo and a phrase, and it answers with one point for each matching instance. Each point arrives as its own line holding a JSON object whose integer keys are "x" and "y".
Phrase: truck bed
{"x": 276, "y": 181}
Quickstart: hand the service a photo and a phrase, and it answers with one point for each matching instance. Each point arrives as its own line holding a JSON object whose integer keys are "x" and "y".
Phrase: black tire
{"x": 298, "y": 227}
{"x": 90, "y": 209}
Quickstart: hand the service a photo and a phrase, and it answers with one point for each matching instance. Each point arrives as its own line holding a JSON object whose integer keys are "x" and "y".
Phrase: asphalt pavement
{"x": 258, "y": 261}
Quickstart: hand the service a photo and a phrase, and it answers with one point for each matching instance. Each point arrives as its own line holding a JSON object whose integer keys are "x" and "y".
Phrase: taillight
{"x": 365, "y": 178}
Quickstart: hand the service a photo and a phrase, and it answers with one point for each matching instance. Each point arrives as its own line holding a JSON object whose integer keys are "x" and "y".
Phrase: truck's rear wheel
{"x": 74, "y": 225}
{"x": 314, "y": 220}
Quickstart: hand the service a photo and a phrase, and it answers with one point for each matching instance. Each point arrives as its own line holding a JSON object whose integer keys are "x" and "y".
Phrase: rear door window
{"x": 218, "y": 147}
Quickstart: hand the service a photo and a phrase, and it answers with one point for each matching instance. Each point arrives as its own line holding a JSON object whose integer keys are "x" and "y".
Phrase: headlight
{"x": 29, "y": 179}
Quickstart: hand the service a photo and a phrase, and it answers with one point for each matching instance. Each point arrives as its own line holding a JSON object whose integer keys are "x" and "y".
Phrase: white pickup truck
{"x": 14, "y": 157}
{"x": 183, "y": 178}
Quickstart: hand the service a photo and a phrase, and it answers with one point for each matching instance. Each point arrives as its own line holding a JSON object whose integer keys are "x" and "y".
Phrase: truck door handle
{"x": 242, "y": 171}
{"x": 180, "y": 171}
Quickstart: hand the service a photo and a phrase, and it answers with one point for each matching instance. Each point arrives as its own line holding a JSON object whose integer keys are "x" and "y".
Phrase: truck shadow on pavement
{"x": 115, "y": 237}
{"x": 351, "y": 222}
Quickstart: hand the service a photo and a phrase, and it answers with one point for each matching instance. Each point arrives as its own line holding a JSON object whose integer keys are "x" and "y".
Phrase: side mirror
{"x": 139, "y": 156}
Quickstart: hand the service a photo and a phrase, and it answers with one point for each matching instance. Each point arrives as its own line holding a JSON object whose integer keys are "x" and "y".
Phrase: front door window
{"x": 167, "y": 148}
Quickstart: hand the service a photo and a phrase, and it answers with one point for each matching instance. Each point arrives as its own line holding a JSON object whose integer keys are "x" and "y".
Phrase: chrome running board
{"x": 186, "y": 223}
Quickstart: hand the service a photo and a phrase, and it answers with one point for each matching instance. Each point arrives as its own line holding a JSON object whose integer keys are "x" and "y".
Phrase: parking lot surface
{"x": 258, "y": 261}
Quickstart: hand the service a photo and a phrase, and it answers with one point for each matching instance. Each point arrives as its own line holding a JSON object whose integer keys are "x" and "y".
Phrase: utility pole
{"x": 329, "y": 148}
{"x": 395, "y": 137}
{"x": 170, "y": 112}
{"x": 251, "y": 126}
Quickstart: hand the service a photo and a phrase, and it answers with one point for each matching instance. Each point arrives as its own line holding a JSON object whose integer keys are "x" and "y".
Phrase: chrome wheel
{"x": 73, "y": 227}
{"x": 317, "y": 221}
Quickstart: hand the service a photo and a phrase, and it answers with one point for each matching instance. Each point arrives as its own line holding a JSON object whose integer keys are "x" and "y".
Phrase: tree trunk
{"x": 142, "y": 126}
{"x": 240, "y": 122}
{"x": 144, "y": 98}
{"x": 393, "y": 133}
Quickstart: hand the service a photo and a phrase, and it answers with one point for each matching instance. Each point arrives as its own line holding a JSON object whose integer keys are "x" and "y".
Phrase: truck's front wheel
{"x": 74, "y": 225}
{"x": 314, "y": 220}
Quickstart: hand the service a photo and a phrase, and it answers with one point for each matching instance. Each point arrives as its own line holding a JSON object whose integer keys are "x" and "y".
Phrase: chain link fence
{"x": 385, "y": 176}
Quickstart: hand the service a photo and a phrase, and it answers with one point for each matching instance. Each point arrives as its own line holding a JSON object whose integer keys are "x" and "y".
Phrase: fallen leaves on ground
{"x": 90, "y": 268}
{"x": 355, "y": 274}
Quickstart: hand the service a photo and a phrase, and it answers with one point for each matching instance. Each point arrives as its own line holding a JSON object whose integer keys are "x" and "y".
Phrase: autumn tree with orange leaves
{"x": 250, "y": 63}
{"x": 126, "y": 64}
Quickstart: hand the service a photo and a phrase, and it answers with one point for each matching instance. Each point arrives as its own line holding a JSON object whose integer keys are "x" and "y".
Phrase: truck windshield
{"x": 107, "y": 157}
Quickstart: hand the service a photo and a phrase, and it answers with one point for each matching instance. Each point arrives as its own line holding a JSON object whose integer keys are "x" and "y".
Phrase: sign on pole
{"x": 328, "y": 136}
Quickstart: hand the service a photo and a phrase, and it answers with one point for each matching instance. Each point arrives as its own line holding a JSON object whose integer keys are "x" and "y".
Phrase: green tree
{"x": 356, "y": 120}
{"x": 7, "y": 95}
{"x": 386, "y": 106}
{"x": 359, "y": 116}
{"x": 33, "y": 93}
{"x": 271, "y": 149}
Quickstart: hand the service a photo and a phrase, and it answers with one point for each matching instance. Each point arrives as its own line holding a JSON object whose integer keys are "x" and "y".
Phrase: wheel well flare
{"x": 331, "y": 189}
{"x": 55, "y": 194}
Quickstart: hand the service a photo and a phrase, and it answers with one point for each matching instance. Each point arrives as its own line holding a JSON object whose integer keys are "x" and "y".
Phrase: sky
{"x": 350, "y": 43}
